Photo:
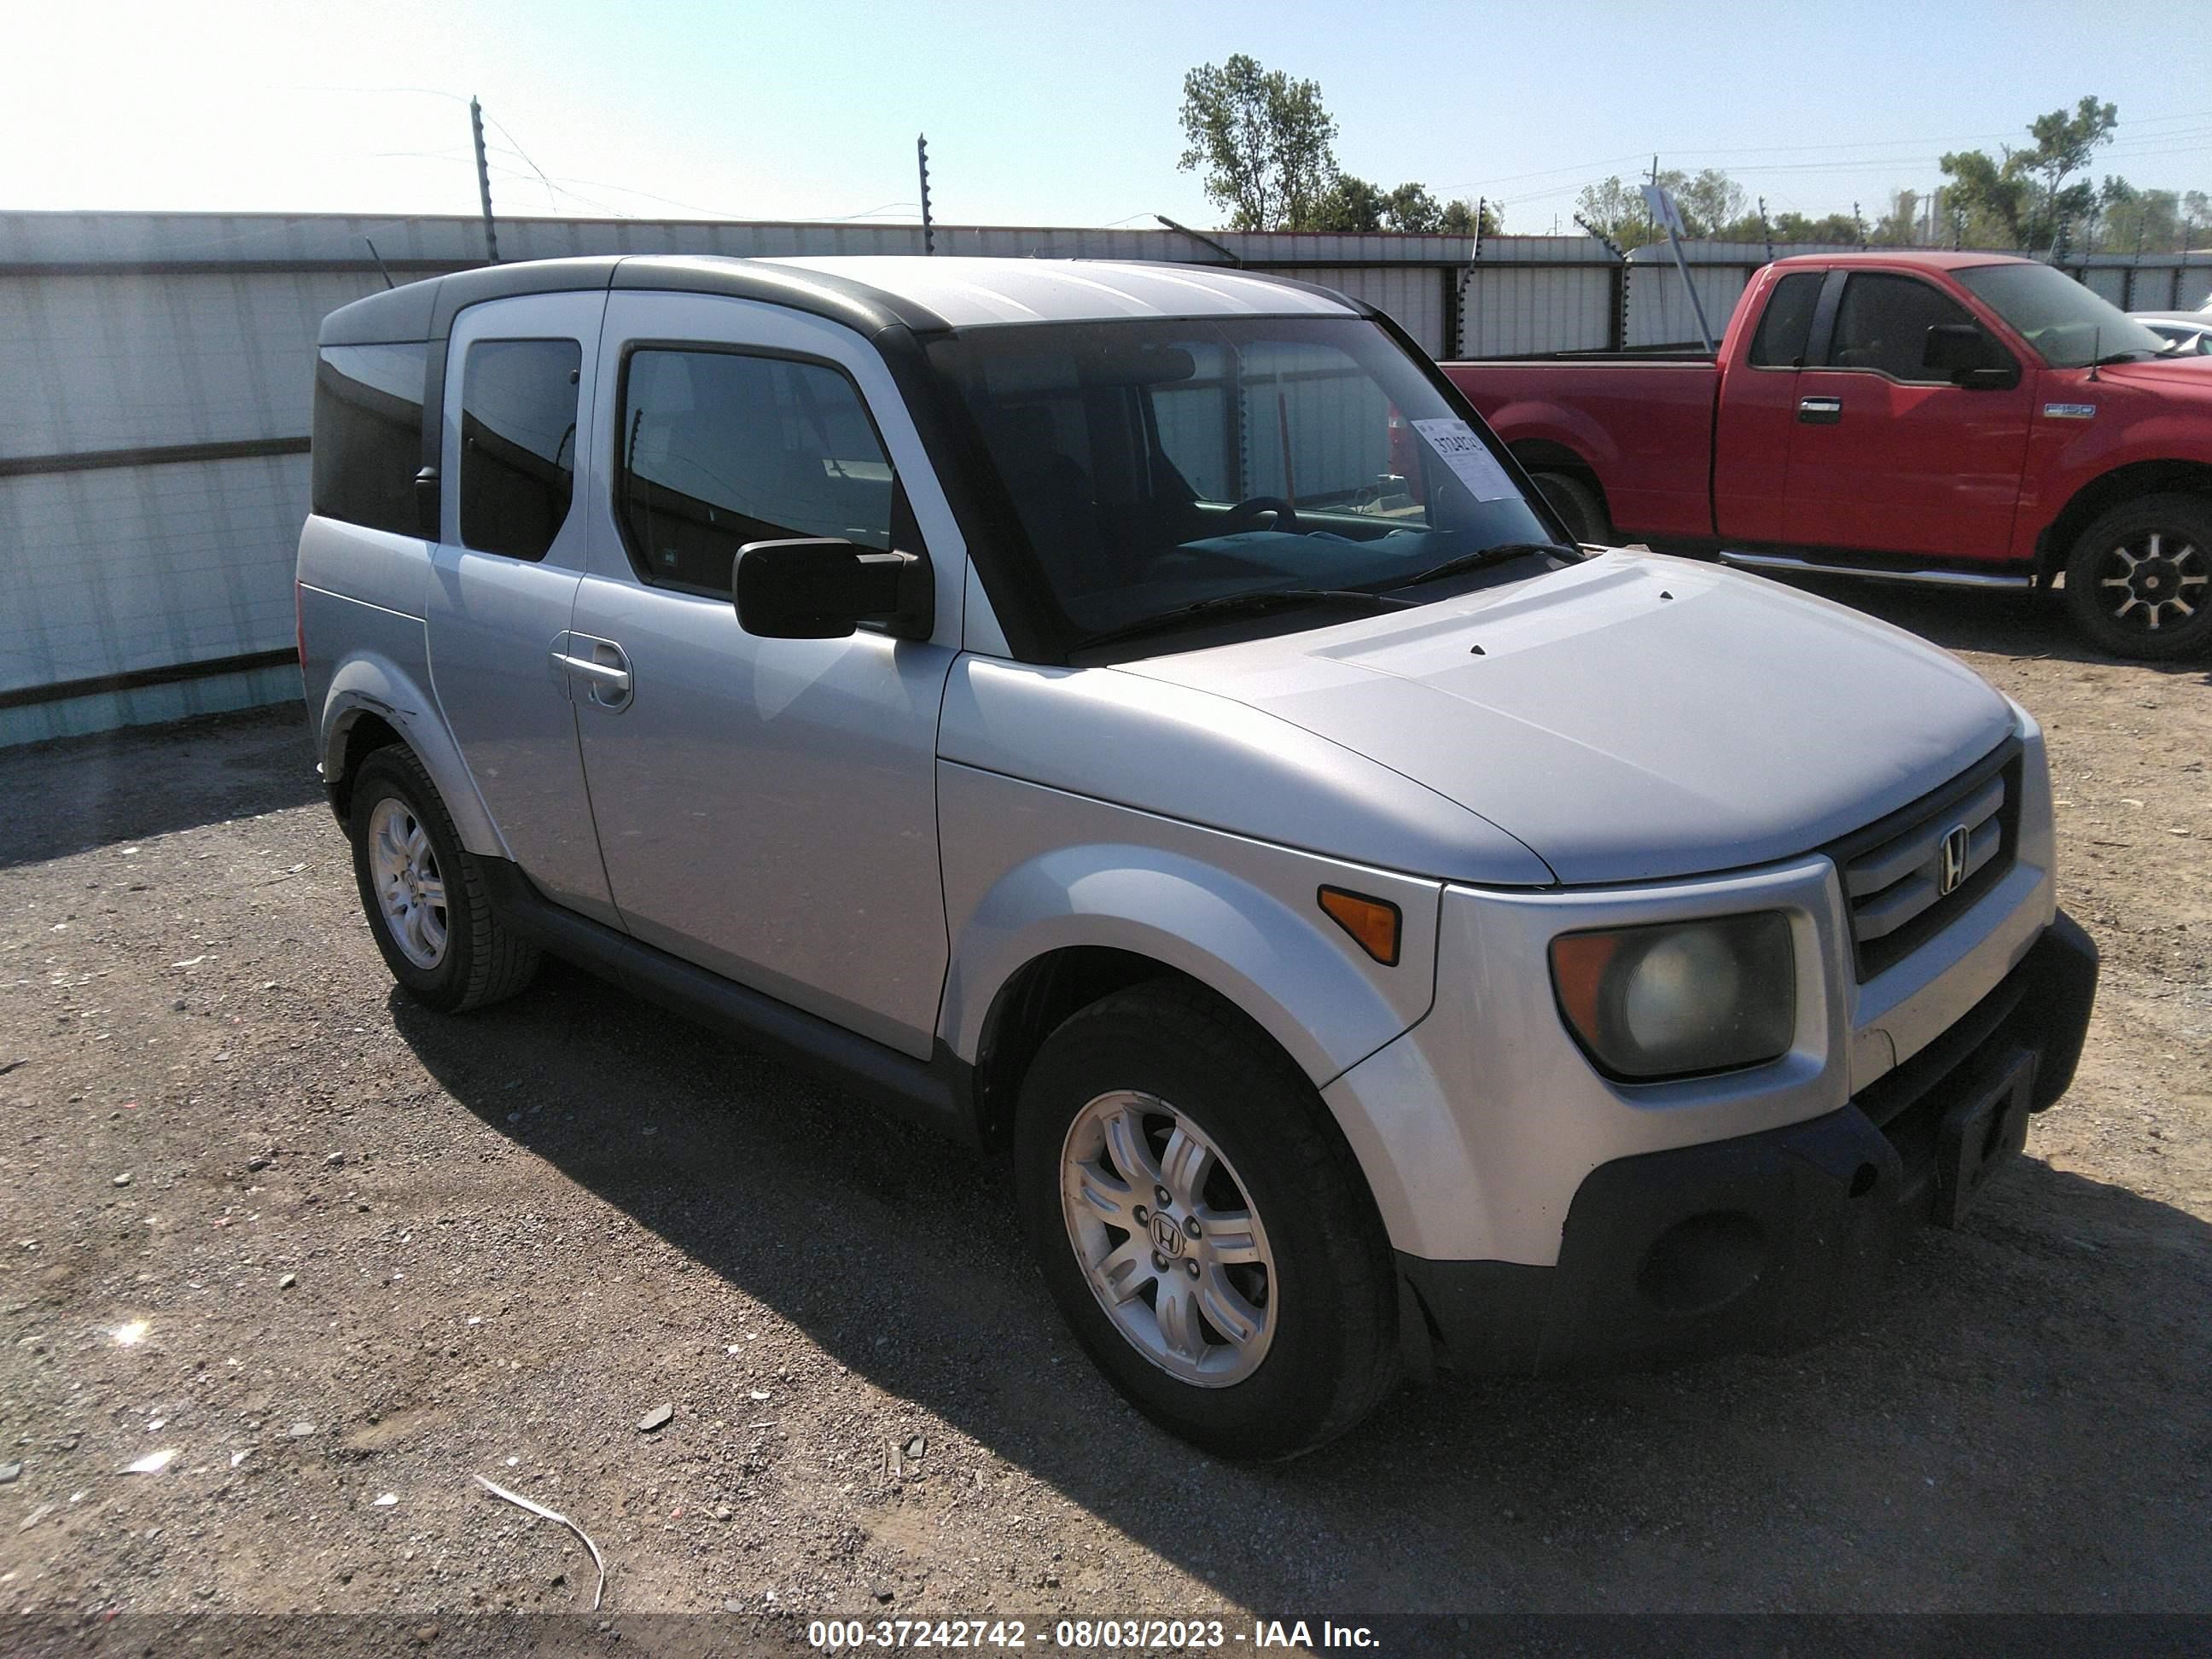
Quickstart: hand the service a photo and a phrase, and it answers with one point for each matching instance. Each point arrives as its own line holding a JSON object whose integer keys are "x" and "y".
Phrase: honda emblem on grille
{"x": 1954, "y": 859}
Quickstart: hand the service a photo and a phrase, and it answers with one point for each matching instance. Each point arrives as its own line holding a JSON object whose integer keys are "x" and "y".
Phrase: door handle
{"x": 606, "y": 670}
{"x": 599, "y": 673}
{"x": 1819, "y": 411}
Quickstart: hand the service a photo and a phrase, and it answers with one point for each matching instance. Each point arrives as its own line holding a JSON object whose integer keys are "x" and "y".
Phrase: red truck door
{"x": 1889, "y": 456}
{"x": 1756, "y": 415}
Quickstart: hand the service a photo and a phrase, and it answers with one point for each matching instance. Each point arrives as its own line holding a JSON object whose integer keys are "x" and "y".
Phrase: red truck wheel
{"x": 2139, "y": 580}
{"x": 1578, "y": 504}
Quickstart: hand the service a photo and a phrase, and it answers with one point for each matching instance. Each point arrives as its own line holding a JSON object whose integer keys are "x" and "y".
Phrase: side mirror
{"x": 824, "y": 588}
{"x": 1968, "y": 358}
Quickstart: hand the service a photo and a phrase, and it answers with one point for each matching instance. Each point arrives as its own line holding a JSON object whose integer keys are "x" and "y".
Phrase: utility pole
{"x": 1766, "y": 230}
{"x": 921, "y": 161}
{"x": 1861, "y": 223}
{"x": 484, "y": 181}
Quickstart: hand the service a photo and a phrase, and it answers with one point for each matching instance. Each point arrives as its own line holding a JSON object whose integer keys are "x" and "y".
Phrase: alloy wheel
{"x": 1168, "y": 1239}
{"x": 410, "y": 889}
{"x": 2154, "y": 580}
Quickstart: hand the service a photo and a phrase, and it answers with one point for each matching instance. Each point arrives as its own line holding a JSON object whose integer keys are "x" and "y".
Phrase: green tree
{"x": 2021, "y": 198}
{"x": 1991, "y": 199}
{"x": 1410, "y": 208}
{"x": 1710, "y": 202}
{"x": 1460, "y": 219}
{"x": 1263, "y": 142}
{"x": 1351, "y": 203}
{"x": 2063, "y": 146}
{"x": 1616, "y": 211}
{"x": 1707, "y": 200}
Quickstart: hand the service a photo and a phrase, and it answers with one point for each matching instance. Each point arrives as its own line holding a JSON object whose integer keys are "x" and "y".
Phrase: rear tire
{"x": 1578, "y": 503}
{"x": 2139, "y": 580}
{"x": 1254, "y": 1313}
{"x": 424, "y": 893}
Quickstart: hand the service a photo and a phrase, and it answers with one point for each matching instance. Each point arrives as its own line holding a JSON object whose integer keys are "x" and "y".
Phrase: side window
{"x": 1787, "y": 321}
{"x": 369, "y": 434}
{"x": 721, "y": 448}
{"x": 518, "y": 444}
{"x": 1883, "y": 323}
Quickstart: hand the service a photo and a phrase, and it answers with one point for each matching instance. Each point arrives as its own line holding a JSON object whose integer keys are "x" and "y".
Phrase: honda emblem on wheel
{"x": 1954, "y": 859}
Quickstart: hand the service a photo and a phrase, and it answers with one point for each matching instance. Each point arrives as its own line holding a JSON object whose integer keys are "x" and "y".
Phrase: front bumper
{"x": 1768, "y": 1240}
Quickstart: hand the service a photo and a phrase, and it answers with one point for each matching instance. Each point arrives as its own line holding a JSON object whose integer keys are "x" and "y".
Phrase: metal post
{"x": 921, "y": 161}
{"x": 1617, "y": 333}
{"x": 1696, "y": 304}
{"x": 484, "y": 181}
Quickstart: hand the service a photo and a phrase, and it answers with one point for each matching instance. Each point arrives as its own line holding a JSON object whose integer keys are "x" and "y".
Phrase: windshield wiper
{"x": 1482, "y": 560}
{"x": 1255, "y": 603}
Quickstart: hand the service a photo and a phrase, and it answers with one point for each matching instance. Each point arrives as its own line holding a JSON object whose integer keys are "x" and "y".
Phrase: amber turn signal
{"x": 1373, "y": 923}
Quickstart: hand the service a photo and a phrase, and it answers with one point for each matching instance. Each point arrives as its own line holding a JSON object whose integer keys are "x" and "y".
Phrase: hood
{"x": 2163, "y": 373}
{"x": 1633, "y": 717}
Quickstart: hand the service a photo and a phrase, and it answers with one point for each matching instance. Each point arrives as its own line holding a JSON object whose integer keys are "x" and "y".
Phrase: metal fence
{"x": 157, "y": 370}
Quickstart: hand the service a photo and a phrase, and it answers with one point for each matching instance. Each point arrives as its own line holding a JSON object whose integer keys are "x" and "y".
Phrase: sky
{"x": 1042, "y": 115}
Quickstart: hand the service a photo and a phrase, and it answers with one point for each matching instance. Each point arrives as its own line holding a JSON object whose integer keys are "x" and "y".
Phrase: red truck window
{"x": 1783, "y": 332}
{"x": 1883, "y": 323}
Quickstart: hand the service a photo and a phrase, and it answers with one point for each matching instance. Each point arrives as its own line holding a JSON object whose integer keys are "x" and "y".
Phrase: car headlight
{"x": 1681, "y": 998}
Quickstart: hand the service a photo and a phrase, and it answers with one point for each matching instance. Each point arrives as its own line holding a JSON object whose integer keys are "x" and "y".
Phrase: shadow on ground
{"x": 2021, "y": 1425}
{"x": 62, "y": 797}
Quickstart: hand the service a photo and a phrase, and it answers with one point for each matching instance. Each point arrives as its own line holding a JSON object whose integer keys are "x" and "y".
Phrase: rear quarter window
{"x": 369, "y": 433}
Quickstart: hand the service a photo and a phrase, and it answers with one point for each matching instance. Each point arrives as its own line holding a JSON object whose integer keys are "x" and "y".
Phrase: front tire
{"x": 2139, "y": 580}
{"x": 424, "y": 893}
{"x": 1202, "y": 1225}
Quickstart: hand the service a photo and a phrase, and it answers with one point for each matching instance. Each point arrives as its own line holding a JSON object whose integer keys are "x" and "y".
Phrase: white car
{"x": 2190, "y": 332}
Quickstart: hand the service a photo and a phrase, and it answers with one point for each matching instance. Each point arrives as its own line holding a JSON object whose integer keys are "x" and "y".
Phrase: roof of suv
{"x": 921, "y": 292}
{"x": 969, "y": 292}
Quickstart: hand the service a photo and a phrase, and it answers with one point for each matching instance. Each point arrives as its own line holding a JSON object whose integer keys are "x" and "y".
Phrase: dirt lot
{"x": 340, "y": 1255}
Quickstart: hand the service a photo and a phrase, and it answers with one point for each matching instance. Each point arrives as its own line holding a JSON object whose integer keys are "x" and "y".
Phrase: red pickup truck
{"x": 1961, "y": 418}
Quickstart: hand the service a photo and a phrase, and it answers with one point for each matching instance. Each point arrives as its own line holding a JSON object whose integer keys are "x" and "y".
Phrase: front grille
{"x": 1892, "y": 871}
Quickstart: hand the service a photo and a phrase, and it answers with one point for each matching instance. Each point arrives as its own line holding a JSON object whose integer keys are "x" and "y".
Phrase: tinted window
{"x": 518, "y": 444}
{"x": 720, "y": 449}
{"x": 369, "y": 434}
{"x": 1883, "y": 323}
{"x": 2057, "y": 315}
{"x": 1158, "y": 464}
{"x": 1788, "y": 320}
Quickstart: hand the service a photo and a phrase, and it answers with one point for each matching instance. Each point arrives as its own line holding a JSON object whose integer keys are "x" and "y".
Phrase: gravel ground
{"x": 337, "y": 1255}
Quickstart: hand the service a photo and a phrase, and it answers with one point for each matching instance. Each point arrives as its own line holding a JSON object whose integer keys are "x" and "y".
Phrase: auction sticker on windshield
{"x": 1467, "y": 456}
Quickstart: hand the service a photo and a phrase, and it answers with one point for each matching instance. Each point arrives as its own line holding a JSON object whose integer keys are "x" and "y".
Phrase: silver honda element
{"x": 1139, "y": 720}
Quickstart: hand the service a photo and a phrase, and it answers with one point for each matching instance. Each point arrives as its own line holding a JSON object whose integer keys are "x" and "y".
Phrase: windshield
{"x": 1157, "y": 463}
{"x": 2066, "y": 324}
